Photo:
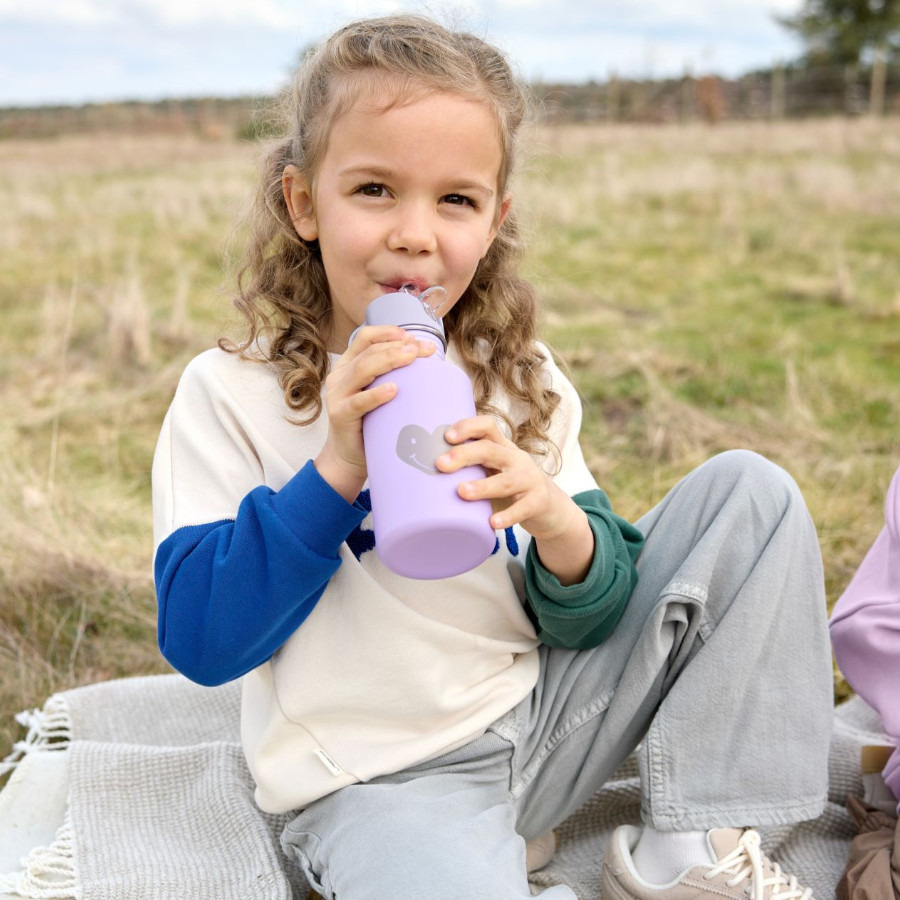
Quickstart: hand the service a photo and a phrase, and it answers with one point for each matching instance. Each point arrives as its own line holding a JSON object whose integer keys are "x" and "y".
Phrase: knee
{"x": 439, "y": 858}
{"x": 764, "y": 482}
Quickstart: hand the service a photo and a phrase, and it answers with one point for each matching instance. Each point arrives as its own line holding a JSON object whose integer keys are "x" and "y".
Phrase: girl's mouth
{"x": 410, "y": 285}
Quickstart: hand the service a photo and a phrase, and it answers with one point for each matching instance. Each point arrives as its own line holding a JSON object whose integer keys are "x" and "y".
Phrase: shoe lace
{"x": 747, "y": 861}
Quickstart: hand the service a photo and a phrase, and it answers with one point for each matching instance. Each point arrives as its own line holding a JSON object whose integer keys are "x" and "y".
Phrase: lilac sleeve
{"x": 865, "y": 629}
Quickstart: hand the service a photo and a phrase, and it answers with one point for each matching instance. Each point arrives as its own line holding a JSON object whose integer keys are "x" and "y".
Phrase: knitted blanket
{"x": 159, "y": 803}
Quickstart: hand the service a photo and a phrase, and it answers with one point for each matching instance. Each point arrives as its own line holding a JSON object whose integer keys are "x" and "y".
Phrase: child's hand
{"x": 376, "y": 350}
{"x": 521, "y": 493}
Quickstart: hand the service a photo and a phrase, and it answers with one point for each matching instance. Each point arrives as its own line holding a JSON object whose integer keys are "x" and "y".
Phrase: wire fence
{"x": 779, "y": 93}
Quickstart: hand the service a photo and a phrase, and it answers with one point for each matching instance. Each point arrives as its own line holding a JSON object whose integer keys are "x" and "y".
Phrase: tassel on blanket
{"x": 49, "y": 872}
{"x": 48, "y": 729}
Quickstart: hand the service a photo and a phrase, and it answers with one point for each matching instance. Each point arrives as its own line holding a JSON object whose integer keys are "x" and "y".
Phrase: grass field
{"x": 736, "y": 286}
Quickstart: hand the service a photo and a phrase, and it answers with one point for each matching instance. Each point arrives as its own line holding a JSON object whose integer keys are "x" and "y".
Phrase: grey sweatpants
{"x": 720, "y": 669}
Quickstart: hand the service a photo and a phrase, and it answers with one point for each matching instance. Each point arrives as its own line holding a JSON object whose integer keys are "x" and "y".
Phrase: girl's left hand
{"x": 519, "y": 491}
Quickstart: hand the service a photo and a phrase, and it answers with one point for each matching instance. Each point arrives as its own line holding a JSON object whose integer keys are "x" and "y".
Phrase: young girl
{"x": 865, "y": 632}
{"x": 422, "y": 731}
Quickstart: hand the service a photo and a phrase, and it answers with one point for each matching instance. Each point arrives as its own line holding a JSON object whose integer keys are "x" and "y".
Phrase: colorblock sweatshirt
{"x": 349, "y": 671}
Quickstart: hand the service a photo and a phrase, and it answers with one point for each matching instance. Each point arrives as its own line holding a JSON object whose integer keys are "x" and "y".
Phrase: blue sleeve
{"x": 231, "y": 592}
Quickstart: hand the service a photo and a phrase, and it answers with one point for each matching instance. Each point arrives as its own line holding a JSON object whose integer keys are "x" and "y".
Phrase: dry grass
{"x": 709, "y": 287}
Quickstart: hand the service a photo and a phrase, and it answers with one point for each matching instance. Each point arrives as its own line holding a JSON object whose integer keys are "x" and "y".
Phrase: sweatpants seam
{"x": 655, "y": 739}
{"x": 557, "y": 737}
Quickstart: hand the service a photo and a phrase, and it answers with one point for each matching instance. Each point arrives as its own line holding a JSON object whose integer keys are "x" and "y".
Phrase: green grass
{"x": 709, "y": 288}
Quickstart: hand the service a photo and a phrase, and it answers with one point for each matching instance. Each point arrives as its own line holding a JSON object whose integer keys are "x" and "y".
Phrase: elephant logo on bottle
{"x": 419, "y": 448}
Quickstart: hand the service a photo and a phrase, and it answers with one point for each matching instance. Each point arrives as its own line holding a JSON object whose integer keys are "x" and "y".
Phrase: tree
{"x": 849, "y": 32}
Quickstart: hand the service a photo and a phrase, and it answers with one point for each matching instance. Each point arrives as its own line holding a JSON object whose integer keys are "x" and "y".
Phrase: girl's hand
{"x": 521, "y": 493}
{"x": 376, "y": 350}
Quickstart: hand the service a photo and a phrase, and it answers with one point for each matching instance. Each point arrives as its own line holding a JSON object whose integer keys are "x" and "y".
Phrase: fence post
{"x": 778, "y": 92}
{"x": 612, "y": 97}
{"x": 850, "y": 86}
{"x": 688, "y": 90}
{"x": 877, "y": 86}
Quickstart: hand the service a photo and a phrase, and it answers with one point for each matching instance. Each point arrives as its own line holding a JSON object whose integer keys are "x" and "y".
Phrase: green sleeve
{"x": 584, "y": 615}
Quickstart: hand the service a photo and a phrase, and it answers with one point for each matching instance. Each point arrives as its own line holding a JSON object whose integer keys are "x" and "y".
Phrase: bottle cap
{"x": 406, "y": 310}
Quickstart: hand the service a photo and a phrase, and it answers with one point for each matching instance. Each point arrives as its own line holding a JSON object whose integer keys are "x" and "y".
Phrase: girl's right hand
{"x": 376, "y": 350}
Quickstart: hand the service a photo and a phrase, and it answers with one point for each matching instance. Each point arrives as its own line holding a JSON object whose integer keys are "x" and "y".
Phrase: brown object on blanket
{"x": 873, "y": 867}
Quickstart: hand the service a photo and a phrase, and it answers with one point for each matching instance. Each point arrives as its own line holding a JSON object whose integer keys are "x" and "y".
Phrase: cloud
{"x": 626, "y": 16}
{"x": 640, "y": 38}
{"x": 168, "y": 13}
{"x": 72, "y": 51}
{"x": 571, "y": 14}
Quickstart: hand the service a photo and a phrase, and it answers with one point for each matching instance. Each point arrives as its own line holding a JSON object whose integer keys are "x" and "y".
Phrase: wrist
{"x": 568, "y": 554}
{"x": 345, "y": 479}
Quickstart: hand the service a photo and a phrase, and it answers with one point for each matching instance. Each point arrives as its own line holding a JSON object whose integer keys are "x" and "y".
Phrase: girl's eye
{"x": 372, "y": 190}
{"x": 459, "y": 200}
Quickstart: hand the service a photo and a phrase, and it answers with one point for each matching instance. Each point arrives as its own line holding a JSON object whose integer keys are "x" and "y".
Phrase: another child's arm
{"x": 865, "y": 624}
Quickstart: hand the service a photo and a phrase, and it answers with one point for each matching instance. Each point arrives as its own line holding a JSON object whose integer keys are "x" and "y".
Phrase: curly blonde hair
{"x": 282, "y": 287}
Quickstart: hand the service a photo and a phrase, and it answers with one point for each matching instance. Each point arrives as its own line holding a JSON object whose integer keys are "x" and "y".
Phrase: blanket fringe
{"x": 49, "y": 872}
{"x": 49, "y": 728}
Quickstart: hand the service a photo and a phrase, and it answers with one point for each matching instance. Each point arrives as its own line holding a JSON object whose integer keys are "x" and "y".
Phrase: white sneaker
{"x": 741, "y": 871}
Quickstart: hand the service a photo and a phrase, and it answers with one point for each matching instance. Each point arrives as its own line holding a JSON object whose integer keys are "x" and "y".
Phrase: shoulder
{"x": 217, "y": 365}
{"x": 216, "y": 373}
{"x": 556, "y": 377}
{"x": 550, "y": 363}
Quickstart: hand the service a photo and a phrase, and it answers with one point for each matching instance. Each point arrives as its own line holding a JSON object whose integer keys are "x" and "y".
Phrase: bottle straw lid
{"x": 406, "y": 310}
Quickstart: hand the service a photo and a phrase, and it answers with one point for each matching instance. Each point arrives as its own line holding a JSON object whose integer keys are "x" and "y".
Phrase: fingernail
{"x": 450, "y": 434}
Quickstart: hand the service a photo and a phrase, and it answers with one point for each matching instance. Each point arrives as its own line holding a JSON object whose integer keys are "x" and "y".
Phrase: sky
{"x": 89, "y": 51}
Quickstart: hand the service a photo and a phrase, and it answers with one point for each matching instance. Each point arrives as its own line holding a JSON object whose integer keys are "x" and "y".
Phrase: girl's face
{"x": 405, "y": 194}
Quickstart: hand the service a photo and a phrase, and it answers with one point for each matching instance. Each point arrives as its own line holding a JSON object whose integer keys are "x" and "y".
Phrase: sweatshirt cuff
{"x": 548, "y": 587}
{"x": 315, "y": 512}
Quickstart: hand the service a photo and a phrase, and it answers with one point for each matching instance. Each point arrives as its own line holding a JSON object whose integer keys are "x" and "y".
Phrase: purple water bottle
{"x": 423, "y": 528}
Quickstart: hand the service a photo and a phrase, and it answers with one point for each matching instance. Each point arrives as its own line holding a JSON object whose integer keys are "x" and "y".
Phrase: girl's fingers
{"x": 505, "y": 515}
{"x": 380, "y": 359}
{"x": 498, "y": 486}
{"x": 477, "y": 428}
{"x": 362, "y": 402}
{"x": 358, "y": 370}
{"x": 519, "y": 491}
{"x": 509, "y": 507}
{"x": 378, "y": 336}
{"x": 487, "y": 453}
{"x": 374, "y": 334}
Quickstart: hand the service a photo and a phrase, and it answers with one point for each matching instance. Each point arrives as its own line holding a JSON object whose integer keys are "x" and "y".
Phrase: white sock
{"x": 661, "y": 856}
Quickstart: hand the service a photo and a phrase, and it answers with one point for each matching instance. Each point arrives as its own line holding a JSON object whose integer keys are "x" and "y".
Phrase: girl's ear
{"x": 502, "y": 212}
{"x": 298, "y": 197}
{"x": 505, "y": 204}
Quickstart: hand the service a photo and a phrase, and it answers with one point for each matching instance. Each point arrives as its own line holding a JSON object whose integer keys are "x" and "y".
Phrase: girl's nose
{"x": 413, "y": 231}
